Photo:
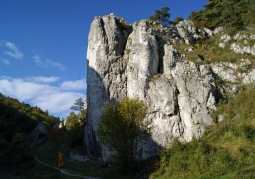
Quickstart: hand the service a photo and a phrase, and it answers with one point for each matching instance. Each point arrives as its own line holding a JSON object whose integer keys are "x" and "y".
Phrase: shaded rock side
{"x": 106, "y": 78}
{"x": 132, "y": 61}
{"x": 37, "y": 136}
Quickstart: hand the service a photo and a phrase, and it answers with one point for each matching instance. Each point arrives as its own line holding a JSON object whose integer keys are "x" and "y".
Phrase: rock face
{"x": 106, "y": 77}
{"x": 37, "y": 136}
{"x": 132, "y": 61}
{"x": 234, "y": 74}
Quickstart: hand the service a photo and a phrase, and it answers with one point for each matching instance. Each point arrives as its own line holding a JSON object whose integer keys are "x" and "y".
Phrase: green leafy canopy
{"x": 122, "y": 130}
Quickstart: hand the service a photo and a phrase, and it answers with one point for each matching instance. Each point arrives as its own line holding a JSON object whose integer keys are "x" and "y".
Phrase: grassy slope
{"x": 226, "y": 149}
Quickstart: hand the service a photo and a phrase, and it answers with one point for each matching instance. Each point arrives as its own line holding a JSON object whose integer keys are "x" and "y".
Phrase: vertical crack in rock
{"x": 176, "y": 105}
{"x": 102, "y": 24}
{"x": 161, "y": 53}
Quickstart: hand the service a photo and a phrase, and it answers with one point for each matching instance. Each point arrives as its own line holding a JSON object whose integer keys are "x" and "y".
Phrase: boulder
{"x": 37, "y": 136}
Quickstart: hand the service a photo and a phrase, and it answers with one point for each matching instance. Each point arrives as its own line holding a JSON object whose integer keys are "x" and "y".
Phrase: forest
{"x": 232, "y": 14}
{"x": 17, "y": 120}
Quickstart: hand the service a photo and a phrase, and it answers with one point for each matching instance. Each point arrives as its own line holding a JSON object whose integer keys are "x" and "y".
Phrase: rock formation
{"x": 37, "y": 136}
{"x": 137, "y": 61}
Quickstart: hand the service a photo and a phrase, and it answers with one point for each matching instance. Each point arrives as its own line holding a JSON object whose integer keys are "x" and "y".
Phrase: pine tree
{"x": 227, "y": 13}
{"x": 78, "y": 105}
{"x": 162, "y": 16}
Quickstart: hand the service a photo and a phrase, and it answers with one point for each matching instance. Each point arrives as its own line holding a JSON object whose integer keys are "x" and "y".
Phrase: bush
{"x": 123, "y": 130}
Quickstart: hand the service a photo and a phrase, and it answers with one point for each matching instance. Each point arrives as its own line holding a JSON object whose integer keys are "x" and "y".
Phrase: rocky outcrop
{"x": 132, "y": 61}
{"x": 106, "y": 77}
{"x": 234, "y": 75}
{"x": 190, "y": 33}
{"x": 37, "y": 136}
{"x": 239, "y": 43}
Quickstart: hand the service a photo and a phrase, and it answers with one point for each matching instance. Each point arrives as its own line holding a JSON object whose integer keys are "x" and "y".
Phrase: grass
{"x": 31, "y": 170}
{"x": 92, "y": 169}
{"x": 226, "y": 149}
{"x": 47, "y": 153}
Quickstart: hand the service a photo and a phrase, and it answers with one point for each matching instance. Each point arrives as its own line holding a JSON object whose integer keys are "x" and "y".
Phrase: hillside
{"x": 226, "y": 150}
{"x": 17, "y": 120}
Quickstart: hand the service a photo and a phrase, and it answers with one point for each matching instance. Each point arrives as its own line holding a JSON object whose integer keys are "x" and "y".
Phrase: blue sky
{"x": 43, "y": 45}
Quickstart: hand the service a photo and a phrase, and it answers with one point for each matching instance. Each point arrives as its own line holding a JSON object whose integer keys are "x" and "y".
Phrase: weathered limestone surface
{"x": 234, "y": 75}
{"x": 106, "y": 78}
{"x": 190, "y": 33}
{"x": 142, "y": 57}
{"x": 123, "y": 63}
{"x": 130, "y": 61}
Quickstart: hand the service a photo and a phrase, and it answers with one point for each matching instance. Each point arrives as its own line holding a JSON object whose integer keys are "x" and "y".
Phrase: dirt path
{"x": 62, "y": 170}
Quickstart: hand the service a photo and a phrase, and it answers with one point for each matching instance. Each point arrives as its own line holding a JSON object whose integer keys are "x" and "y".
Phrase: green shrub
{"x": 123, "y": 130}
{"x": 75, "y": 136}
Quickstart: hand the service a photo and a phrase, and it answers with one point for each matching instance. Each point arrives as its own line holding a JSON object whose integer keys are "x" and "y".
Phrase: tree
{"x": 71, "y": 121}
{"x": 162, "y": 16}
{"x": 178, "y": 19}
{"x": 123, "y": 130}
{"x": 232, "y": 14}
{"x": 75, "y": 128}
{"x": 78, "y": 105}
{"x": 17, "y": 121}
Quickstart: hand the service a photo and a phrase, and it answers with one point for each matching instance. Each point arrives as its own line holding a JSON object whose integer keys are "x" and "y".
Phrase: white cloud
{"x": 74, "y": 85}
{"x": 15, "y": 51}
{"x": 47, "y": 63}
{"x": 6, "y": 62}
{"x": 38, "y": 61}
{"x": 42, "y": 79}
{"x": 48, "y": 97}
{"x": 55, "y": 64}
{"x": 56, "y": 101}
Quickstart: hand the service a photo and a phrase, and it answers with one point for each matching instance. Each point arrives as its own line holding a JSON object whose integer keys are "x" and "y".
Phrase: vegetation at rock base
{"x": 47, "y": 152}
{"x": 16, "y": 155}
{"x": 234, "y": 14}
{"x": 17, "y": 159}
{"x": 74, "y": 120}
{"x": 75, "y": 123}
{"x": 75, "y": 128}
{"x": 122, "y": 130}
{"x": 226, "y": 150}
